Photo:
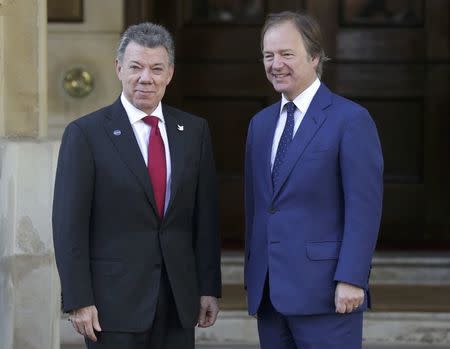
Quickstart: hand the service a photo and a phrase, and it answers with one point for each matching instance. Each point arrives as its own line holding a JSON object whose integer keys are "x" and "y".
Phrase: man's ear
{"x": 315, "y": 61}
{"x": 171, "y": 71}
{"x": 118, "y": 67}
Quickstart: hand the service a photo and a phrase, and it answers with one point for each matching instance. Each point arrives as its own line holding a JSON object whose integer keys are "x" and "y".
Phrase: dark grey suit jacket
{"x": 109, "y": 240}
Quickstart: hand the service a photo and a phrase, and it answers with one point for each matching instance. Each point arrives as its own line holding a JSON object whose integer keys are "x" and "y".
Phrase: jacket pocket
{"x": 323, "y": 250}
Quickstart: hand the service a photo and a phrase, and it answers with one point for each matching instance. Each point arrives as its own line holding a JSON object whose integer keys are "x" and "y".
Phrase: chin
{"x": 280, "y": 89}
{"x": 144, "y": 102}
{"x": 280, "y": 86}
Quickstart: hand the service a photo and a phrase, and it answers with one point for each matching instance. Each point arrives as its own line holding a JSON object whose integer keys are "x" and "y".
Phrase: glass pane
{"x": 228, "y": 11}
{"x": 387, "y": 13}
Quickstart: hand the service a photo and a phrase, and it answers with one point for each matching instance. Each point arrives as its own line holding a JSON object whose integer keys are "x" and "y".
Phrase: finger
{"x": 361, "y": 301}
{"x": 213, "y": 316}
{"x": 202, "y": 316}
{"x": 78, "y": 327}
{"x": 212, "y": 319}
{"x": 349, "y": 307}
{"x": 96, "y": 323}
{"x": 89, "y": 330}
{"x": 74, "y": 325}
{"x": 209, "y": 319}
{"x": 340, "y": 307}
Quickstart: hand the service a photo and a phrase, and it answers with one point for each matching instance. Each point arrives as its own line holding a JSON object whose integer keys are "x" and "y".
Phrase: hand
{"x": 85, "y": 320}
{"x": 209, "y": 308}
{"x": 348, "y": 297}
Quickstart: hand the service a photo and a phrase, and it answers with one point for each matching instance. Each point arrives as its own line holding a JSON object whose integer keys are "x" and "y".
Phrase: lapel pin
{"x": 180, "y": 128}
{"x": 117, "y": 132}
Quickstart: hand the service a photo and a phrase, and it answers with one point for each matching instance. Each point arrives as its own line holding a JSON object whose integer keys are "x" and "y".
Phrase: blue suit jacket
{"x": 319, "y": 225}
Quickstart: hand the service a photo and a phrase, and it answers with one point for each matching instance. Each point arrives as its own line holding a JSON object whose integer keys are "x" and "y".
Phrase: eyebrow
{"x": 157, "y": 64}
{"x": 280, "y": 51}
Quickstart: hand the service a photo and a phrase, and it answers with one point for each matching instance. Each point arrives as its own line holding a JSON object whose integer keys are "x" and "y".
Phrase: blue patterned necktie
{"x": 285, "y": 140}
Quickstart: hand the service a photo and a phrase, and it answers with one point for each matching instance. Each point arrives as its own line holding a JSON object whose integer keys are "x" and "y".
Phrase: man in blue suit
{"x": 313, "y": 187}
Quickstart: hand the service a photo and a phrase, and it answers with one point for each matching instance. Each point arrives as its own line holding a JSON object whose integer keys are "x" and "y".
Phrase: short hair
{"x": 147, "y": 34}
{"x": 307, "y": 27}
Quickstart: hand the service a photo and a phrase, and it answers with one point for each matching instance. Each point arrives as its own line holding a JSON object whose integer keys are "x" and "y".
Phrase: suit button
{"x": 272, "y": 210}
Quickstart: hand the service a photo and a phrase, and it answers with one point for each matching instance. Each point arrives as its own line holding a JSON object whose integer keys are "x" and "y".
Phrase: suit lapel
{"x": 309, "y": 126}
{"x": 176, "y": 145}
{"x": 119, "y": 130}
{"x": 270, "y": 125}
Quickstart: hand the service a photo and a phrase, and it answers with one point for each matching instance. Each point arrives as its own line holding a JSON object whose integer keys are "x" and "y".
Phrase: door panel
{"x": 219, "y": 76}
{"x": 386, "y": 58}
{"x": 391, "y": 56}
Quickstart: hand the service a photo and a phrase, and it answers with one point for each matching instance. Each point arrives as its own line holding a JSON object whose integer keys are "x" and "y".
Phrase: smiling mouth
{"x": 279, "y": 76}
{"x": 145, "y": 92}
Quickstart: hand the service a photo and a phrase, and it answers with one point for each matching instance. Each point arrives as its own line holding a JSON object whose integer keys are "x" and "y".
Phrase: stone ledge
{"x": 396, "y": 268}
{"x": 236, "y": 327}
{"x": 407, "y": 328}
{"x": 385, "y": 298}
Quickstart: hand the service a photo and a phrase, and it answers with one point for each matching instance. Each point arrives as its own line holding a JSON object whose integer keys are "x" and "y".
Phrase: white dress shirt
{"x": 142, "y": 133}
{"x": 302, "y": 102}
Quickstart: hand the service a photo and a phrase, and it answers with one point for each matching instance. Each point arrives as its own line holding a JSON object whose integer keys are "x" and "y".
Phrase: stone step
{"x": 380, "y": 328}
{"x": 238, "y": 346}
{"x": 410, "y": 298}
{"x": 387, "y": 328}
{"x": 385, "y": 298}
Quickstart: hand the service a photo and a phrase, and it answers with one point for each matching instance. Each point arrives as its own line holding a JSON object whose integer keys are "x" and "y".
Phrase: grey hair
{"x": 309, "y": 29}
{"x": 147, "y": 34}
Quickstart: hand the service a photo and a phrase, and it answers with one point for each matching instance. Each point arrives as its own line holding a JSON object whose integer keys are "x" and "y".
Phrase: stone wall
{"x": 90, "y": 44}
{"x": 29, "y": 284}
{"x": 33, "y": 60}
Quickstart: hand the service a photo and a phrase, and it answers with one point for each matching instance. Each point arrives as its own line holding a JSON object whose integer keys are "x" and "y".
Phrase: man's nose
{"x": 146, "y": 76}
{"x": 277, "y": 62}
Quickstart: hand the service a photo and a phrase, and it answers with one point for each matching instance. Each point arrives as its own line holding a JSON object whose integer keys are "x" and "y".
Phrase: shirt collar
{"x": 135, "y": 114}
{"x": 303, "y": 100}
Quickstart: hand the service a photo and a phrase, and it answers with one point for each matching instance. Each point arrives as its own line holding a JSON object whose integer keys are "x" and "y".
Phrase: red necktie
{"x": 156, "y": 162}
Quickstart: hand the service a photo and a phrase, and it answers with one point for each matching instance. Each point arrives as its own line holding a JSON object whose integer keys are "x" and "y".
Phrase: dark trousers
{"x": 165, "y": 333}
{"x": 323, "y": 331}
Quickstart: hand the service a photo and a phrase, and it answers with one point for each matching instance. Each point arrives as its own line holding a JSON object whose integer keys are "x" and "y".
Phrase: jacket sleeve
{"x": 207, "y": 244}
{"x": 361, "y": 165}
{"x": 248, "y": 198}
{"x": 73, "y": 193}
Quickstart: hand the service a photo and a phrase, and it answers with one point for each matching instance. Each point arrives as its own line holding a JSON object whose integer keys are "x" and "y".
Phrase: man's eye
{"x": 268, "y": 58}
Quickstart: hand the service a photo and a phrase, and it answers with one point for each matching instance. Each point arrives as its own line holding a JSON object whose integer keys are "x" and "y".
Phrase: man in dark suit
{"x": 313, "y": 186}
{"x": 135, "y": 211}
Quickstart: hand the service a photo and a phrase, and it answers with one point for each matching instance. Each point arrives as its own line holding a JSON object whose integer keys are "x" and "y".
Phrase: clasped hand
{"x": 85, "y": 321}
{"x": 209, "y": 308}
{"x": 348, "y": 297}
